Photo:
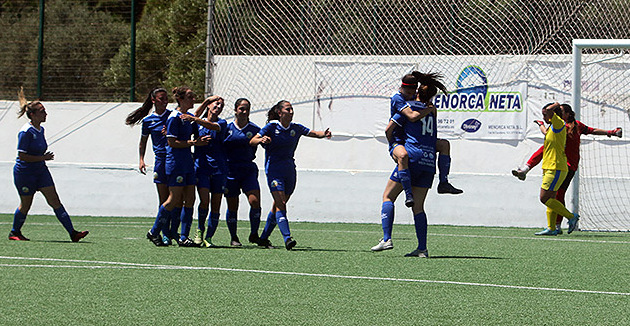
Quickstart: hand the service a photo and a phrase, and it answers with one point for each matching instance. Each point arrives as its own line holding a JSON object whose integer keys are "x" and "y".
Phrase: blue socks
{"x": 175, "y": 220}
{"x": 254, "y": 219}
{"x": 387, "y": 219}
{"x": 213, "y": 223}
{"x": 232, "y": 221}
{"x": 18, "y": 220}
{"x": 202, "y": 215}
{"x": 187, "y": 218}
{"x": 269, "y": 226}
{"x": 63, "y": 217}
{"x": 283, "y": 224}
{"x": 444, "y": 167}
{"x": 160, "y": 220}
{"x": 405, "y": 180}
{"x": 420, "y": 222}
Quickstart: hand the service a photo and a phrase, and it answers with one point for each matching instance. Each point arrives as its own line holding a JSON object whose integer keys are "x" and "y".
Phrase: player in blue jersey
{"x": 419, "y": 130}
{"x": 211, "y": 172}
{"x": 30, "y": 173}
{"x": 242, "y": 170}
{"x": 280, "y": 137}
{"x": 179, "y": 169}
{"x": 154, "y": 126}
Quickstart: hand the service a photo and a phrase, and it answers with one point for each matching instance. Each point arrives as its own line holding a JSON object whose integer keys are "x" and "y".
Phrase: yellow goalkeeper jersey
{"x": 554, "y": 157}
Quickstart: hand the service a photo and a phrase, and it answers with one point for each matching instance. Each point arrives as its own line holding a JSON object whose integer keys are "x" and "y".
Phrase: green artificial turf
{"x": 475, "y": 276}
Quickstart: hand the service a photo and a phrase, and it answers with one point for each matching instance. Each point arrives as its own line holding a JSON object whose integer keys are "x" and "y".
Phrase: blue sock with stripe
{"x": 420, "y": 222}
{"x": 254, "y": 219}
{"x": 202, "y": 215}
{"x": 64, "y": 218}
{"x": 213, "y": 224}
{"x": 387, "y": 219}
{"x": 175, "y": 221}
{"x": 283, "y": 224}
{"x": 444, "y": 167}
{"x": 18, "y": 220}
{"x": 269, "y": 225}
{"x": 405, "y": 180}
{"x": 160, "y": 220}
{"x": 232, "y": 223}
{"x": 187, "y": 219}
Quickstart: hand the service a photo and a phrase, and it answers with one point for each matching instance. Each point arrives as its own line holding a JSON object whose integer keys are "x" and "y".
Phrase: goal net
{"x": 602, "y": 69}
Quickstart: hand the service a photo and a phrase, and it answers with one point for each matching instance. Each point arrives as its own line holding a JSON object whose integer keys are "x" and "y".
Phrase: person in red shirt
{"x": 575, "y": 128}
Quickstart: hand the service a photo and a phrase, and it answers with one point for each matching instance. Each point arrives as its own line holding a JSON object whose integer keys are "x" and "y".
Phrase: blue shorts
{"x": 159, "y": 170}
{"x": 27, "y": 183}
{"x": 243, "y": 177}
{"x": 419, "y": 178}
{"x": 214, "y": 182}
{"x": 181, "y": 179}
{"x": 282, "y": 181}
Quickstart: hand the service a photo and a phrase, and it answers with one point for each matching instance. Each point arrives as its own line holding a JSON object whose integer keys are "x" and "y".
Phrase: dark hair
{"x": 566, "y": 108}
{"x": 180, "y": 92}
{"x": 410, "y": 80}
{"x": 433, "y": 81}
{"x": 26, "y": 107}
{"x": 273, "y": 113}
{"x": 141, "y": 112}
{"x": 239, "y": 101}
{"x": 557, "y": 109}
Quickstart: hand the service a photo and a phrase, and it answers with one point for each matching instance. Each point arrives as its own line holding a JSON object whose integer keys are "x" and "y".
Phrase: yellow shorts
{"x": 552, "y": 179}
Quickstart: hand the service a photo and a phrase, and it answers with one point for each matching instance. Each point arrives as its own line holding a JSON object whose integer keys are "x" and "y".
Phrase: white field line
{"x": 122, "y": 265}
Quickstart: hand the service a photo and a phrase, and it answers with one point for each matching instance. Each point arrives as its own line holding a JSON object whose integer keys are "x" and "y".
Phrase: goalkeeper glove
{"x": 617, "y": 132}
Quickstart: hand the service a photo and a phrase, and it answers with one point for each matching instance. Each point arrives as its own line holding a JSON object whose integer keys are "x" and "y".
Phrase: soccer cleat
{"x": 265, "y": 243}
{"x": 447, "y": 188}
{"x": 547, "y": 231}
{"x": 156, "y": 239}
{"x": 186, "y": 242}
{"x": 235, "y": 242}
{"x": 207, "y": 242}
{"x": 253, "y": 238}
{"x": 76, "y": 235}
{"x": 17, "y": 236}
{"x": 199, "y": 237}
{"x": 167, "y": 241}
{"x": 409, "y": 202}
{"x": 383, "y": 245}
{"x": 558, "y": 229}
{"x": 418, "y": 253}
{"x": 520, "y": 174}
{"x": 573, "y": 223}
{"x": 290, "y": 243}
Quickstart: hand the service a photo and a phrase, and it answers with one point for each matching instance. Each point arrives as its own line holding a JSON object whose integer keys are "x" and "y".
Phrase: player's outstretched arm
{"x": 320, "y": 134}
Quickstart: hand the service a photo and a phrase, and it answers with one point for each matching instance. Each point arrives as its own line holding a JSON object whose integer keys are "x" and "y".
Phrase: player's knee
{"x": 443, "y": 146}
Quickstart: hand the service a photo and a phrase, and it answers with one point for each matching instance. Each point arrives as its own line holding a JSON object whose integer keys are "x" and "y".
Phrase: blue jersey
{"x": 179, "y": 160}
{"x": 279, "y": 153}
{"x": 31, "y": 141}
{"x": 211, "y": 158}
{"x": 398, "y": 103}
{"x": 152, "y": 125}
{"x": 420, "y": 138}
{"x": 236, "y": 143}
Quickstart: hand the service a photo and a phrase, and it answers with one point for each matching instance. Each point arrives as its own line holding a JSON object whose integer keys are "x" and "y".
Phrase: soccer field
{"x": 475, "y": 276}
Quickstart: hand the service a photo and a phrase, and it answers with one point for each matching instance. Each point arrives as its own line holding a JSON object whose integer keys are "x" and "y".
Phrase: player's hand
{"x": 142, "y": 167}
{"x": 539, "y": 122}
{"x": 617, "y": 132}
{"x": 48, "y": 156}
{"x": 327, "y": 133}
{"x": 188, "y": 117}
{"x": 265, "y": 140}
{"x": 164, "y": 131}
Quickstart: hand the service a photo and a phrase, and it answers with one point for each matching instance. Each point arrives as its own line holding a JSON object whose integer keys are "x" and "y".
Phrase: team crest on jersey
{"x": 26, "y": 190}
{"x": 34, "y": 136}
{"x": 274, "y": 183}
{"x": 292, "y": 133}
{"x": 155, "y": 175}
{"x": 179, "y": 179}
{"x": 249, "y": 135}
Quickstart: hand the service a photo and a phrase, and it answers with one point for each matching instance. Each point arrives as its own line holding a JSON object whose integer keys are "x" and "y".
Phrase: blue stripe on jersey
{"x": 152, "y": 125}
{"x": 236, "y": 143}
{"x": 279, "y": 154}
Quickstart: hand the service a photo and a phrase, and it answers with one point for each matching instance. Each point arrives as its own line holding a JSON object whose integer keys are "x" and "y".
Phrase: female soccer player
{"x": 572, "y": 150}
{"x": 242, "y": 170}
{"x": 211, "y": 171}
{"x": 30, "y": 173}
{"x": 421, "y": 111}
{"x": 555, "y": 169}
{"x": 154, "y": 125}
{"x": 280, "y": 137}
{"x": 179, "y": 169}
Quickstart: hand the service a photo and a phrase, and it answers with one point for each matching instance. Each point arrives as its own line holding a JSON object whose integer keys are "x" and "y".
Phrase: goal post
{"x": 602, "y": 99}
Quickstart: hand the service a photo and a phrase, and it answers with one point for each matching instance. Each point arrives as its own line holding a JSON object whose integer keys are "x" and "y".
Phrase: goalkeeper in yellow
{"x": 555, "y": 169}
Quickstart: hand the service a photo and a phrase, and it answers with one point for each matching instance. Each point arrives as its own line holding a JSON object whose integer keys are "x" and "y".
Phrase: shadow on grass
{"x": 59, "y": 241}
{"x": 464, "y": 257}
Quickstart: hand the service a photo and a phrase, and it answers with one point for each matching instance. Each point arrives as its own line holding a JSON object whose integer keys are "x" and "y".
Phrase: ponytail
{"x": 141, "y": 112}
{"x": 26, "y": 107}
{"x": 273, "y": 113}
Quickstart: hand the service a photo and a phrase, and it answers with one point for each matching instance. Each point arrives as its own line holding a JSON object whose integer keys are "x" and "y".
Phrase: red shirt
{"x": 572, "y": 149}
